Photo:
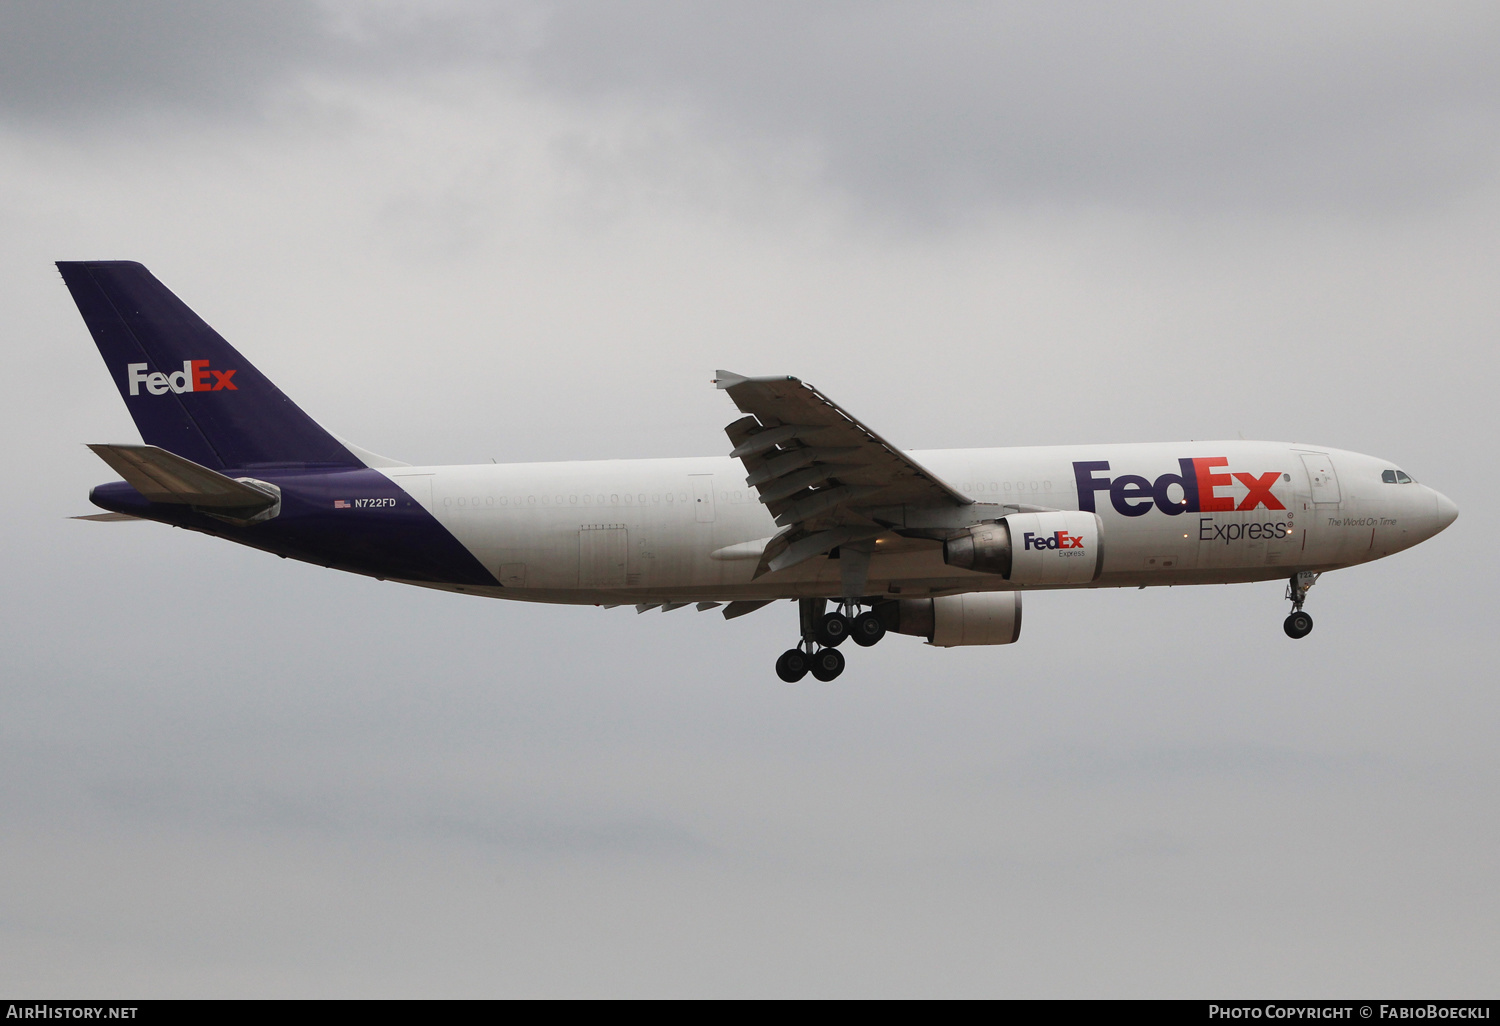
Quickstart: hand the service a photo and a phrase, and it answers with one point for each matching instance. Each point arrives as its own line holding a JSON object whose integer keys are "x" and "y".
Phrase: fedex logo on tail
{"x": 1055, "y": 540}
{"x": 1200, "y": 482}
{"x": 194, "y": 377}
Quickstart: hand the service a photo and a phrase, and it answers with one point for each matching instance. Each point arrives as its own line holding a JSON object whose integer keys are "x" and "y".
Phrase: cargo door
{"x": 602, "y": 552}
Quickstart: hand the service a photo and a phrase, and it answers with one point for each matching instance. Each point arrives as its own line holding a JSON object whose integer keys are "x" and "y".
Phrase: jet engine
{"x": 978, "y": 618}
{"x": 1058, "y": 547}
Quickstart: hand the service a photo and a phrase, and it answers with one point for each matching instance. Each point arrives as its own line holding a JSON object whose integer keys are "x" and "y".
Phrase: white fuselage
{"x": 661, "y": 530}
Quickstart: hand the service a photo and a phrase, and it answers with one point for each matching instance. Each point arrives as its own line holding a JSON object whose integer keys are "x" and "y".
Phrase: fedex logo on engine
{"x": 1055, "y": 540}
{"x": 1132, "y": 495}
{"x": 194, "y": 377}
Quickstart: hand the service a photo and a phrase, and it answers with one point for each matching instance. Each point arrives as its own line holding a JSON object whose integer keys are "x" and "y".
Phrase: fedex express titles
{"x": 1199, "y": 480}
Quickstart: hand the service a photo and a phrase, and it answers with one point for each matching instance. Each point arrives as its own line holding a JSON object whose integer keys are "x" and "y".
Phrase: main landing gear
{"x": 822, "y": 634}
{"x": 1299, "y": 624}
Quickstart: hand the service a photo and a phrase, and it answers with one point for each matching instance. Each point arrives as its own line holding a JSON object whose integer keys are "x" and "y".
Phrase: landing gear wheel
{"x": 1298, "y": 625}
{"x": 827, "y": 663}
{"x": 832, "y": 629}
{"x": 793, "y": 665}
{"x": 868, "y": 629}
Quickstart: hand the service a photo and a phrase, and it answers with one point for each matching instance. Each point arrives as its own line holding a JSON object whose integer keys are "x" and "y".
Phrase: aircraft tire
{"x": 1298, "y": 625}
{"x": 868, "y": 629}
{"x": 827, "y": 663}
{"x": 833, "y": 629}
{"x": 793, "y": 665}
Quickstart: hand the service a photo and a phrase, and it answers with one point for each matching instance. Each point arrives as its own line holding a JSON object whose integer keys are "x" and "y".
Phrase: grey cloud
{"x": 78, "y": 61}
{"x": 937, "y": 109}
{"x": 1222, "y": 763}
{"x": 552, "y": 827}
{"x": 925, "y": 111}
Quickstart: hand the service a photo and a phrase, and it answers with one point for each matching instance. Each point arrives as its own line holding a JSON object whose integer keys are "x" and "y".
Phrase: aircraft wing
{"x": 827, "y": 478}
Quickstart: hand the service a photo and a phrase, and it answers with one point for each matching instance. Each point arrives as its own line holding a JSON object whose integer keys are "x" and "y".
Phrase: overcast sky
{"x": 461, "y": 231}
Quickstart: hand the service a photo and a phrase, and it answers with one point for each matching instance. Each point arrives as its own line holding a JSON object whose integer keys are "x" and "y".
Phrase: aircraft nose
{"x": 1447, "y": 511}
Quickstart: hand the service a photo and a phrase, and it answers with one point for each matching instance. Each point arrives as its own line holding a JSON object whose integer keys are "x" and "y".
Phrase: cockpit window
{"x": 1401, "y": 477}
{"x": 1388, "y": 476}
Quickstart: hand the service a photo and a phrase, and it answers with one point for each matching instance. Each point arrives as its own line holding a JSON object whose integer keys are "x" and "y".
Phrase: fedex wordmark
{"x": 194, "y": 377}
{"x": 1197, "y": 488}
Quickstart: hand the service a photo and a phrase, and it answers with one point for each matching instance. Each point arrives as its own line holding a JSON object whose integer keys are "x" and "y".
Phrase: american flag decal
{"x": 341, "y": 504}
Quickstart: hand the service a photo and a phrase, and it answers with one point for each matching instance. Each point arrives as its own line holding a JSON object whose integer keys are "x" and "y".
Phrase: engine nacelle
{"x": 979, "y": 618}
{"x": 1060, "y": 547}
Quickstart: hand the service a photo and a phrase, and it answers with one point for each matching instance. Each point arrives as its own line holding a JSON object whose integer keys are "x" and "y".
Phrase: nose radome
{"x": 1447, "y": 511}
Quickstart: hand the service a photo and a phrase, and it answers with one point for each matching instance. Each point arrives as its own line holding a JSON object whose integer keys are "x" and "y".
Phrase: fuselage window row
{"x": 613, "y": 499}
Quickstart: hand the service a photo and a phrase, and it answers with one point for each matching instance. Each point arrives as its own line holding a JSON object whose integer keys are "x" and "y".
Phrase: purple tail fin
{"x": 189, "y": 391}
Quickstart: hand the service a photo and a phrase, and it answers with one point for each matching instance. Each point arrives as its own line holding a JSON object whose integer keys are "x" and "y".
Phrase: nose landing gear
{"x": 822, "y": 632}
{"x": 1299, "y": 624}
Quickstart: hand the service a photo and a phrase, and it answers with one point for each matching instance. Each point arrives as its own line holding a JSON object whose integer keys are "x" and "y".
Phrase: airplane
{"x": 809, "y": 503}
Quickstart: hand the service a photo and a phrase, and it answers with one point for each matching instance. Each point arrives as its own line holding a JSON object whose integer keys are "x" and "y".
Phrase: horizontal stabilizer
{"x": 107, "y": 518}
{"x": 161, "y": 476}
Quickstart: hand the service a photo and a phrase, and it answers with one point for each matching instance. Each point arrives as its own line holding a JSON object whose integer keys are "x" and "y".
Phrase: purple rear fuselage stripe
{"x": 400, "y": 540}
